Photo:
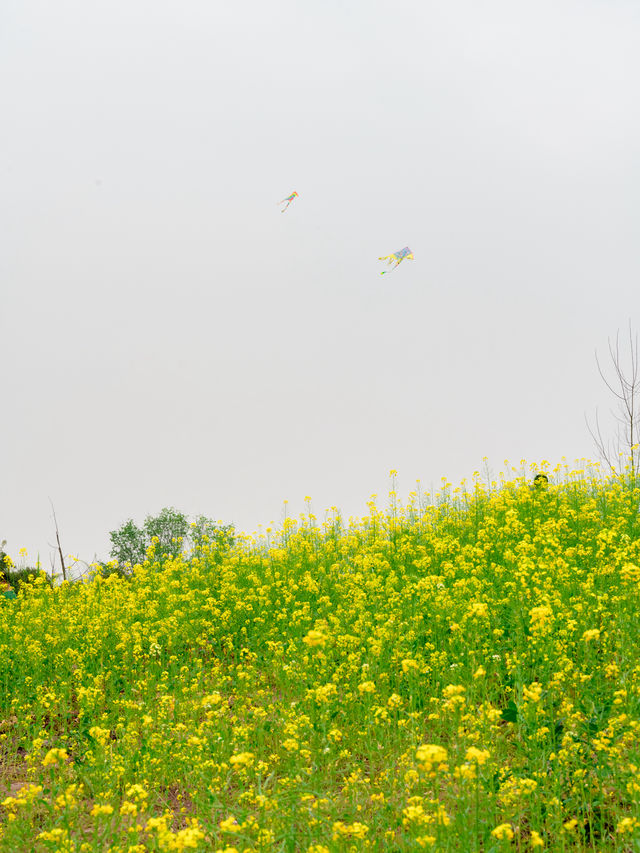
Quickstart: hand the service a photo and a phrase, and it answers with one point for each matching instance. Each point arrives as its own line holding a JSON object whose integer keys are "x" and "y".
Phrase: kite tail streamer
{"x": 392, "y": 268}
{"x": 390, "y": 259}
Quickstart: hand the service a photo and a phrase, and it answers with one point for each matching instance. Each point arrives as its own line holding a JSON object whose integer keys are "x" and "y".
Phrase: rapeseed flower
{"x": 479, "y": 756}
{"x": 55, "y": 756}
{"x": 431, "y": 753}
{"x": 345, "y": 830}
{"x": 627, "y": 825}
{"x": 315, "y": 639}
{"x": 591, "y": 634}
{"x": 340, "y": 679}
{"x": 503, "y": 832}
{"x": 102, "y": 809}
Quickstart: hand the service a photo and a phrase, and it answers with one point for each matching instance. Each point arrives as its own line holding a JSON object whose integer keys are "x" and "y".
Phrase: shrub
{"x": 16, "y": 577}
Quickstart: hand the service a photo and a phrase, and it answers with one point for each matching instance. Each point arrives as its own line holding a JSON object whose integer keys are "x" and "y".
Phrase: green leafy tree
{"x": 170, "y": 528}
{"x": 5, "y": 560}
{"x": 5, "y": 564}
{"x": 173, "y": 533}
{"x": 204, "y": 532}
{"x": 128, "y": 543}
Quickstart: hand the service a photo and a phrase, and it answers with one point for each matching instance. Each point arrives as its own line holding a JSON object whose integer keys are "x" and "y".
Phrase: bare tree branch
{"x": 601, "y": 446}
{"x": 64, "y": 571}
{"x": 625, "y": 388}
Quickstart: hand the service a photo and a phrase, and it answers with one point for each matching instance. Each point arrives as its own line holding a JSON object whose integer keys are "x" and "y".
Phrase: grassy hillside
{"x": 463, "y": 676}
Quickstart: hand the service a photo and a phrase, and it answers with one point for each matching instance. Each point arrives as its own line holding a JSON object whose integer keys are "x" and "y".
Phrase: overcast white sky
{"x": 168, "y": 337}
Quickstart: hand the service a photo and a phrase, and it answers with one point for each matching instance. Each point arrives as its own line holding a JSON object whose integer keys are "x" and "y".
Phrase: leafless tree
{"x": 55, "y": 520}
{"x": 623, "y": 382}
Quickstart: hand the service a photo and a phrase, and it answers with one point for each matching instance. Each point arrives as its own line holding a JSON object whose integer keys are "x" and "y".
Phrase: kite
{"x": 288, "y": 200}
{"x": 398, "y": 257}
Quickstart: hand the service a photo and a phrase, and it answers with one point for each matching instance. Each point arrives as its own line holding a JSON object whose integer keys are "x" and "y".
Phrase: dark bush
{"x": 15, "y": 577}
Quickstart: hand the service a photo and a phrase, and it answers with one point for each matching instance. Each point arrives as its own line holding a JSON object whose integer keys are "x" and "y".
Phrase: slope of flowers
{"x": 457, "y": 677}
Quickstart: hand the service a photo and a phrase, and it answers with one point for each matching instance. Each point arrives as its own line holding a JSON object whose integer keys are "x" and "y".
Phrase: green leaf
{"x": 510, "y": 713}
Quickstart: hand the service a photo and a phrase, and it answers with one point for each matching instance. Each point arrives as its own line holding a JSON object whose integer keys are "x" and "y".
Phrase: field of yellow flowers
{"x": 459, "y": 674}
